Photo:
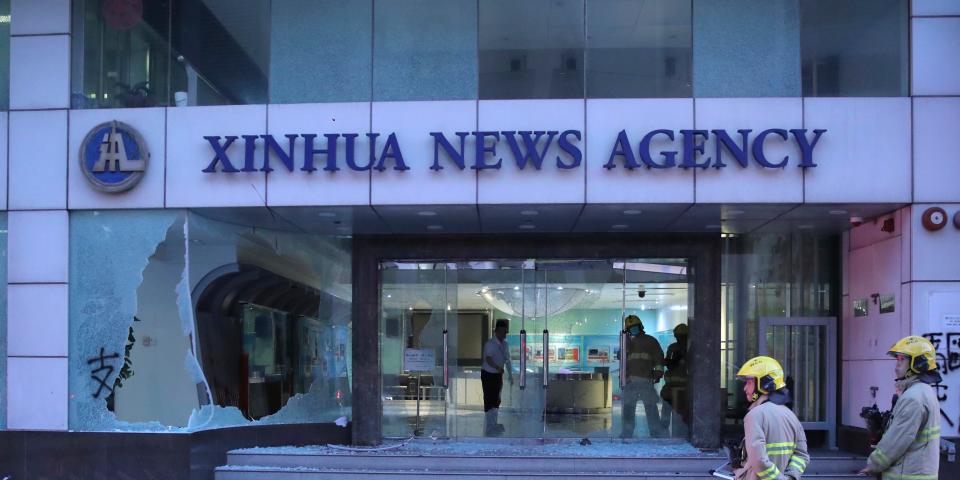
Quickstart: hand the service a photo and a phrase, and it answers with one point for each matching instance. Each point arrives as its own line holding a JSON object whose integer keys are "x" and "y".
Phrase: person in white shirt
{"x": 496, "y": 358}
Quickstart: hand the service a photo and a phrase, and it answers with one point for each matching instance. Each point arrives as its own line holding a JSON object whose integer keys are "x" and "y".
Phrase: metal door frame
{"x": 830, "y": 323}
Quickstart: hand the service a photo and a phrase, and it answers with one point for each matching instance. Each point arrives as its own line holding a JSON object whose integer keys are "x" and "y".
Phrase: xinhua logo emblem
{"x": 113, "y": 157}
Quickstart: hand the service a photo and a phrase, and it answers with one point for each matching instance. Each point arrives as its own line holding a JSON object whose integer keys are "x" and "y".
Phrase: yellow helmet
{"x": 923, "y": 357}
{"x": 767, "y": 372}
{"x": 632, "y": 320}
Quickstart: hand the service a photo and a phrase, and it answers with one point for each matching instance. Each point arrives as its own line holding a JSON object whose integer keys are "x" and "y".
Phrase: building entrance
{"x": 597, "y": 347}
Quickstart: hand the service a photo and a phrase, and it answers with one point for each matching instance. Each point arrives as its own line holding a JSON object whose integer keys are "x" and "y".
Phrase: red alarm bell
{"x": 934, "y": 218}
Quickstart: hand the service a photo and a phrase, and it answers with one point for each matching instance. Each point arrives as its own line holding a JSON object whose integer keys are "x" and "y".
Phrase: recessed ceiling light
{"x": 427, "y": 213}
{"x": 526, "y": 226}
{"x": 735, "y": 212}
{"x": 326, "y": 214}
{"x": 619, "y": 226}
{"x": 712, "y": 226}
{"x": 838, "y": 212}
{"x": 529, "y": 213}
{"x": 632, "y": 211}
{"x": 434, "y": 227}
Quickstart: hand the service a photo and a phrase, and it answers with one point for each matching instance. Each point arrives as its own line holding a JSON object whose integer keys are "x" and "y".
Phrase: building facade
{"x": 304, "y": 217}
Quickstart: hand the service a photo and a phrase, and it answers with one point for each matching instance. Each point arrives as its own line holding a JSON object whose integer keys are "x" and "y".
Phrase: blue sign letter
{"x": 391, "y": 150}
{"x": 309, "y": 152}
{"x": 570, "y": 149}
{"x": 691, "y": 148}
{"x": 758, "y": 148}
{"x": 220, "y": 154}
{"x": 623, "y": 149}
{"x": 271, "y": 145}
{"x": 739, "y": 152}
{"x": 806, "y": 148}
{"x": 530, "y": 147}
{"x": 480, "y": 158}
{"x": 441, "y": 141}
{"x": 670, "y": 158}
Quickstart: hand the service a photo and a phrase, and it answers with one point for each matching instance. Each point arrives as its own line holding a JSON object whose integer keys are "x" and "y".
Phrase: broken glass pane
{"x": 191, "y": 323}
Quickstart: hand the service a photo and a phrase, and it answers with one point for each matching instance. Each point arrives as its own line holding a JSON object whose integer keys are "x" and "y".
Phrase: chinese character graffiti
{"x": 101, "y": 366}
{"x": 947, "y": 345}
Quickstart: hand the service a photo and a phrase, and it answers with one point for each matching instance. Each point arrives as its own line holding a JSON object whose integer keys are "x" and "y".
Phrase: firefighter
{"x": 674, "y": 391}
{"x": 774, "y": 443}
{"x": 644, "y": 370}
{"x": 910, "y": 448}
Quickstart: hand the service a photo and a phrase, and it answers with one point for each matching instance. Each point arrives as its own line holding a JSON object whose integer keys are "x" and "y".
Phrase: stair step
{"x": 507, "y": 464}
{"x": 305, "y": 473}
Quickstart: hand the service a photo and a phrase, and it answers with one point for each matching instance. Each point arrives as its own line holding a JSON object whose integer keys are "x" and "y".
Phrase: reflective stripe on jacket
{"x": 910, "y": 448}
{"x": 774, "y": 443}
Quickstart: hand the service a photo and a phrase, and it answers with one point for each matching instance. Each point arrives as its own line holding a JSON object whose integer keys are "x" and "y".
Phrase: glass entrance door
{"x": 573, "y": 370}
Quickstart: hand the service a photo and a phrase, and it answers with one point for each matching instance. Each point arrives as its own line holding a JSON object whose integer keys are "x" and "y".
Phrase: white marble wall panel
{"x": 605, "y": 119}
{"x": 551, "y": 184}
{"x": 33, "y": 17}
{"x": 936, "y": 170}
{"x": 38, "y": 246}
{"x": 37, "y": 393}
{"x": 934, "y": 254}
{"x": 734, "y": 183}
{"x": 342, "y": 187}
{"x": 4, "y": 128}
{"x": 38, "y": 160}
{"x": 935, "y": 7}
{"x": 936, "y": 70}
{"x": 867, "y": 156}
{"x": 151, "y": 125}
{"x": 37, "y": 320}
{"x": 858, "y": 377}
{"x": 412, "y": 122}
{"x": 188, "y": 154}
{"x": 40, "y": 73}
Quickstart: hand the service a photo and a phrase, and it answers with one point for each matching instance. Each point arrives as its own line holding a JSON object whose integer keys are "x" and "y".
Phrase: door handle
{"x": 623, "y": 358}
{"x": 546, "y": 358}
{"x": 446, "y": 365}
{"x": 523, "y": 359}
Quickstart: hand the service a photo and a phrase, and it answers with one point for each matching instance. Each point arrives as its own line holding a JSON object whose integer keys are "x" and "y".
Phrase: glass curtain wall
{"x": 777, "y": 276}
{"x": 565, "y": 319}
{"x": 215, "y": 52}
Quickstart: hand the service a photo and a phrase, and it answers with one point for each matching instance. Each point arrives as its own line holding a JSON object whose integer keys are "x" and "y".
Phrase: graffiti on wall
{"x": 947, "y": 345}
{"x": 102, "y": 371}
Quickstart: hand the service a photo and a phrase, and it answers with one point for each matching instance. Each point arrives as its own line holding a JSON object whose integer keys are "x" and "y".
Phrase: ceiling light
{"x": 427, "y": 213}
{"x": 632, "y": 211}
{"x": 678, "y": 307}
{"x": 735, "y": 212}
{"x": 526, "y": 226}
{"x": 838, "y": 212}
{"x": 516, "y": 287}
{"x": 619, "y": 226}
{"x": 529, "y": 213}
{"x": 434, "y": 227}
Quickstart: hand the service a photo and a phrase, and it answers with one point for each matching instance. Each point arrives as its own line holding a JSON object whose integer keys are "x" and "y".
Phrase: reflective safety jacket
{"x": 774, "y": 443}
{"x": 910, "y": 448}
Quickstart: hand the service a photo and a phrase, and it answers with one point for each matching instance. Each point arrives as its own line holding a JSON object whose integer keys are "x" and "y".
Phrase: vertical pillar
{"x": 366, "y": 399}
{"x": 37, "y": 319}
{"x": 705, "y": 389}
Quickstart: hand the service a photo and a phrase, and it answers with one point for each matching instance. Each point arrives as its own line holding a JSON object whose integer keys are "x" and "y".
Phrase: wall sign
{"x": 419, "y": 359}
{"x": 113, "y": 157}
{"x": 490, "y": 150}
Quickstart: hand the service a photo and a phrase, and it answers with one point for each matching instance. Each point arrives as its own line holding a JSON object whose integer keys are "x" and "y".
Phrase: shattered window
{"x": 181, "y": 323}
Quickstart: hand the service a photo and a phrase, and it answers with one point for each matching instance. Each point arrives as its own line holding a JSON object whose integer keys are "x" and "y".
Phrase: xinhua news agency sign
{"x": 491, "y": 149}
